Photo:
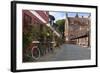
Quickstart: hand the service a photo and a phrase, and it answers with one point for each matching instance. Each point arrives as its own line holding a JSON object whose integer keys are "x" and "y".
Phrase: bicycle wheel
{"x": 35, "y": 53}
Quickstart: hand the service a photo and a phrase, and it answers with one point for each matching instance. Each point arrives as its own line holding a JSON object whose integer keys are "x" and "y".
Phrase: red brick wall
{"x": 34, "y": 19}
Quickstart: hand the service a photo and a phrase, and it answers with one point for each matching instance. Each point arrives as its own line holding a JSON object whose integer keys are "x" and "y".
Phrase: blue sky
{"x": 62, "y": 15}
{"x": 73, "y": 14}
{"x": 58, "y": 15}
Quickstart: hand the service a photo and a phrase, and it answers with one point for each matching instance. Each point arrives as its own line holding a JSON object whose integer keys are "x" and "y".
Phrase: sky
{"x": 62, "y": 15}
{"x": 58, "y": 15}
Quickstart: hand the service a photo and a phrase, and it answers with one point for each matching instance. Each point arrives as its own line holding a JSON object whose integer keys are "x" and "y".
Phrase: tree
{"x": 60, "y": 25}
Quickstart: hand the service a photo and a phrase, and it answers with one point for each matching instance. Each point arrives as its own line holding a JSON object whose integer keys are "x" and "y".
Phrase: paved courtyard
{"x": 68, "y": 52}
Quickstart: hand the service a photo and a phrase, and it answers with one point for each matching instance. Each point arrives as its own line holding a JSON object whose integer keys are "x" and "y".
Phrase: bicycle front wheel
{"x": 35, "y": 53}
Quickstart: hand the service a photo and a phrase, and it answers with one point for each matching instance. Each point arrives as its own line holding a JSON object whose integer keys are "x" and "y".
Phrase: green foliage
{"x": 26, "y": 39}
{"x": 46, "y": 32}
{"x": 60, "y": 24}
{"x": 32, "y": 34}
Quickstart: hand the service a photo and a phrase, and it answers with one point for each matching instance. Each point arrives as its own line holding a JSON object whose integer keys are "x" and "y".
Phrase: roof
{"x": 79, "y": 21}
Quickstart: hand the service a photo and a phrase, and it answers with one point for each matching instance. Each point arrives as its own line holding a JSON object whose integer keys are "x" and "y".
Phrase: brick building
{"x": 34, "y": 18}
{"x": 77, "y": 30}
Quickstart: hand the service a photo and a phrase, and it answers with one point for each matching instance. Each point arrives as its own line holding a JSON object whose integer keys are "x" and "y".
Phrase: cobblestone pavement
{"x": 67, "y": 52}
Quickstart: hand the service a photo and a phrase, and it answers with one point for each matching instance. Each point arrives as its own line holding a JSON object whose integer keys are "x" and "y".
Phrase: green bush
{"x": 32, "y": 34}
